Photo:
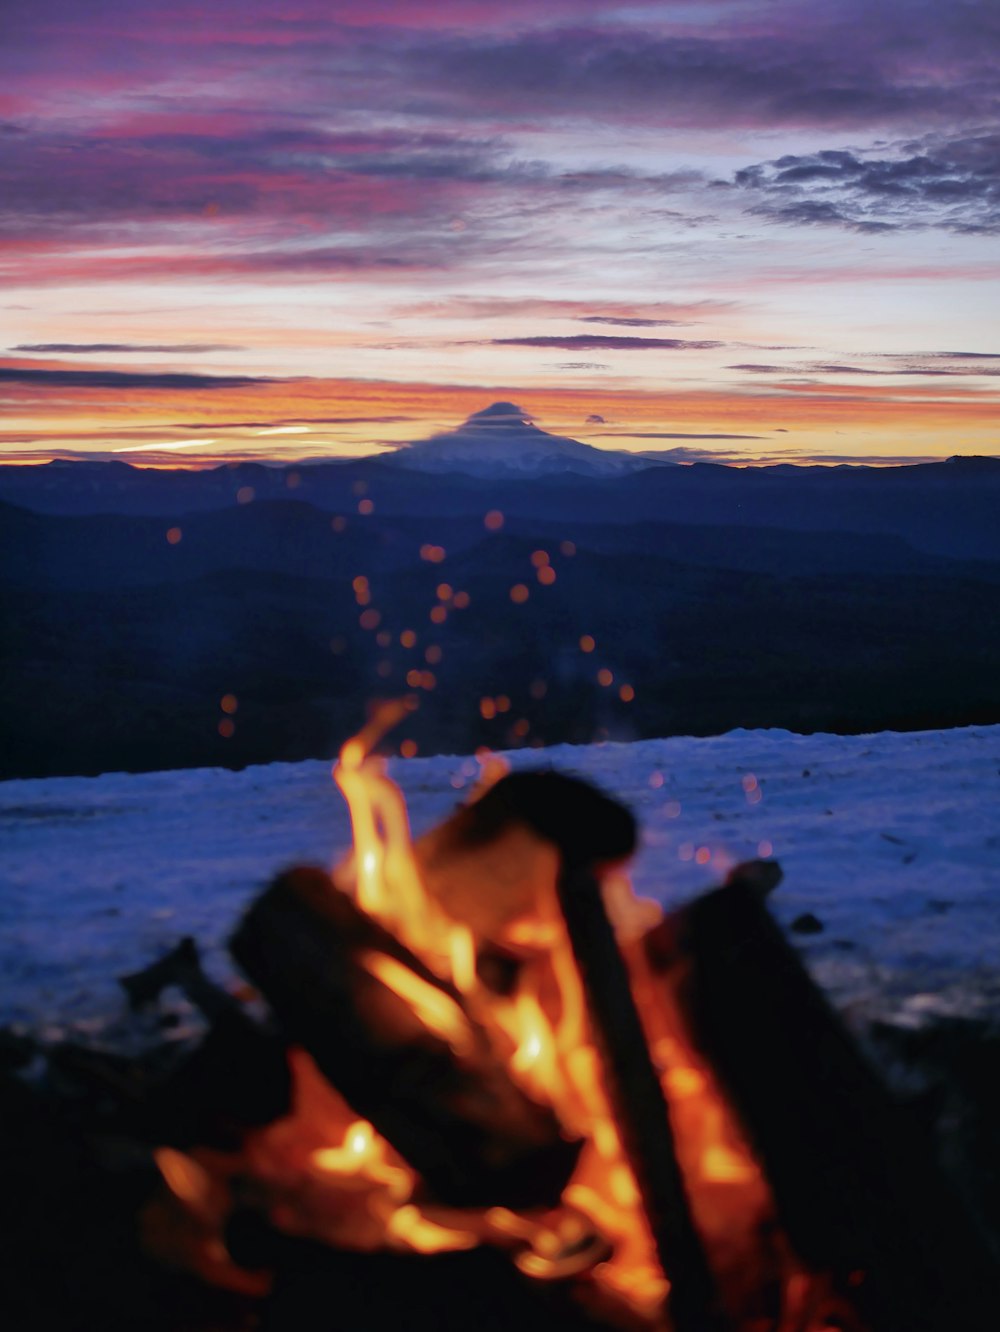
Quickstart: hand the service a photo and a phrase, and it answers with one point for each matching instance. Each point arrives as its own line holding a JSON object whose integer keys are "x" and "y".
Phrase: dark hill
{"x": 857, "y": 599}
{"x": 294, "y": 538}
{"x": 943, "y": 508}
{"x": 132, "y": 677}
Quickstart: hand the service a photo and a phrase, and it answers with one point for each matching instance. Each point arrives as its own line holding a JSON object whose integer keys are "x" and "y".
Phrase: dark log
{"x": 71, "y": 1258}
{"x": 640, "y": 1108}
{"x": 857, "y": 1189}
{"x": 457, "y": 1118}
{"x": 181, "y": 967}
{"x": 16, "y": 1050}
{"x": 571, "y": 814}
{"x": 490, "y": 863}
{"x": 319, "y": 1289}
{"x": 236, "y": 1079}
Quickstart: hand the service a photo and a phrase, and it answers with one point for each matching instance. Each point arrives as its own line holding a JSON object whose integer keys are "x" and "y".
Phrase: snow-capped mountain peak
{"x": 503, "y": 440}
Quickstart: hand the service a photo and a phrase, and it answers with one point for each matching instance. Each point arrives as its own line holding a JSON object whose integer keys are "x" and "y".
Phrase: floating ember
{"x": 496, "y": 1048}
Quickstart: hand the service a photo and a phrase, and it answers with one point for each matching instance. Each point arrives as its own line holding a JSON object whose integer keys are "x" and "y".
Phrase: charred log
{"x": 565, "y": 811}
{"x": 856, "y": 1186}
{"x": 236, "y": 1079}
{"x": 318, "y": 1289}
{"x": 639, "y": 1104}
{"x": 73, "y": 1192}
{"x": 454, "y": 1115}
{"x": 493, "y": 860}
{"x": 145, "y": 986}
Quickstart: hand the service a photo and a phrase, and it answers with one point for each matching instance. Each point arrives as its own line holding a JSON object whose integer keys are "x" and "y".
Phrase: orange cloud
{"x": 361, "y": 416}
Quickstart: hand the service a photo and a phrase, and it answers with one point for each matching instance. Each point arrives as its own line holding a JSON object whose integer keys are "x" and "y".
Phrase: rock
{"x": 807, "y": 923}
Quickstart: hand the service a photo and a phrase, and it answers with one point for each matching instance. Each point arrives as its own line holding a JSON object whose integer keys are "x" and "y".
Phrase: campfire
{"x": 482, "y": 1084}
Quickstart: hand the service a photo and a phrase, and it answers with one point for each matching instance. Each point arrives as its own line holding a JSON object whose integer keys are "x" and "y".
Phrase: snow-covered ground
{"x": 891, "y": 840}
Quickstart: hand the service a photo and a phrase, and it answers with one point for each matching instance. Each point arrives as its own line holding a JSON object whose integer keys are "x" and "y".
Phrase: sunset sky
{"x": 750, "y": 230}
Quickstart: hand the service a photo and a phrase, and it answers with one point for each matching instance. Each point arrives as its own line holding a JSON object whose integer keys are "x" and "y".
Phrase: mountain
{"x": 503, "y": 441}
{"x": 942, "y": 508}
{"x": 133, "y": 600}
{"x": 285, "y": 536}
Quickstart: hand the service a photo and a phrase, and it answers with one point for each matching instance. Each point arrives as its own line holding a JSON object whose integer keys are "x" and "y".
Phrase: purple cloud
{"x": 123, "y": 379}
{"x": 948, "y": 183}
{"x": 218, "y": 171}
{"x": 668, "y": 434}
{"x": 602, "y": 342}
{"x": 629, "y": 322}
{"x": 843, "y": 64}
{"x": 89, "y": 348}
{"x": 826, "y": 368}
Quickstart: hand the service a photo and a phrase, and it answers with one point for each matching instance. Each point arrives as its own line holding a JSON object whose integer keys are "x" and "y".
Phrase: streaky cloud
{"x": 292, "y": 421}
{"x": 836, "y": 65}
{"x": 628, "y": 322}
{"x": 966, "y": 356}
{"x": 668, "y": 434}
{"x": 91, "y": 348}
{"x": 124, "y": 379}
{"x": 606, "y": 342}
{"x": 826, "y": 368}
{"x": 165, "y": 445}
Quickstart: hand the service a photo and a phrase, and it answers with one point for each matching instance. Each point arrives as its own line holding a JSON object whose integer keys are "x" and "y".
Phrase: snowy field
{"x": 891, "y": 840}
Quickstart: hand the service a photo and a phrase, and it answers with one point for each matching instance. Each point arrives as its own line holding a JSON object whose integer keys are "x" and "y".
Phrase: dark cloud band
{"x": 116, "y": 348}
{"x": 604, "y": 342}
{"x": 123, "y": 379}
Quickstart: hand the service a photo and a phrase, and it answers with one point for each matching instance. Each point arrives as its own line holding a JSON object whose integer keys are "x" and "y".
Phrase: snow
{"x": 891, "y": 840}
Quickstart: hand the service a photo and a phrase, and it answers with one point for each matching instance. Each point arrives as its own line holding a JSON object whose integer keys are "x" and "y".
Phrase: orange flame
{"x": 432, "y": 1006}
{"x": 325, "y": 1172}
{"x": 550, "y": 1053}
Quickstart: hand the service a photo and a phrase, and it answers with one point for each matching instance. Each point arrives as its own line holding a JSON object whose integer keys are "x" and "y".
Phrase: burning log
{"x": 588, "y": 829}
{"x": 425, "y": 1075}
{"x": 856, "y": 1186}
{"x": 669, "y": 1128}
{"x": 639, "y": 1103}
{"x": 405, "y": 1049}
{"x": 484, "y": 1083}
{"x": 494, "y": 861}
{"x": 585, "y": 829}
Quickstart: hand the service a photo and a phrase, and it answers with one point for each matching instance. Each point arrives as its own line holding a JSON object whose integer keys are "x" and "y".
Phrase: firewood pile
{"x": 481, "y": 1086}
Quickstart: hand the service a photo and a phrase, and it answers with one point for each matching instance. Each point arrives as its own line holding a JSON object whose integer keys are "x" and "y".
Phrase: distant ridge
{"x": 503, "y": 441}
{"x": 980, "y": 462}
